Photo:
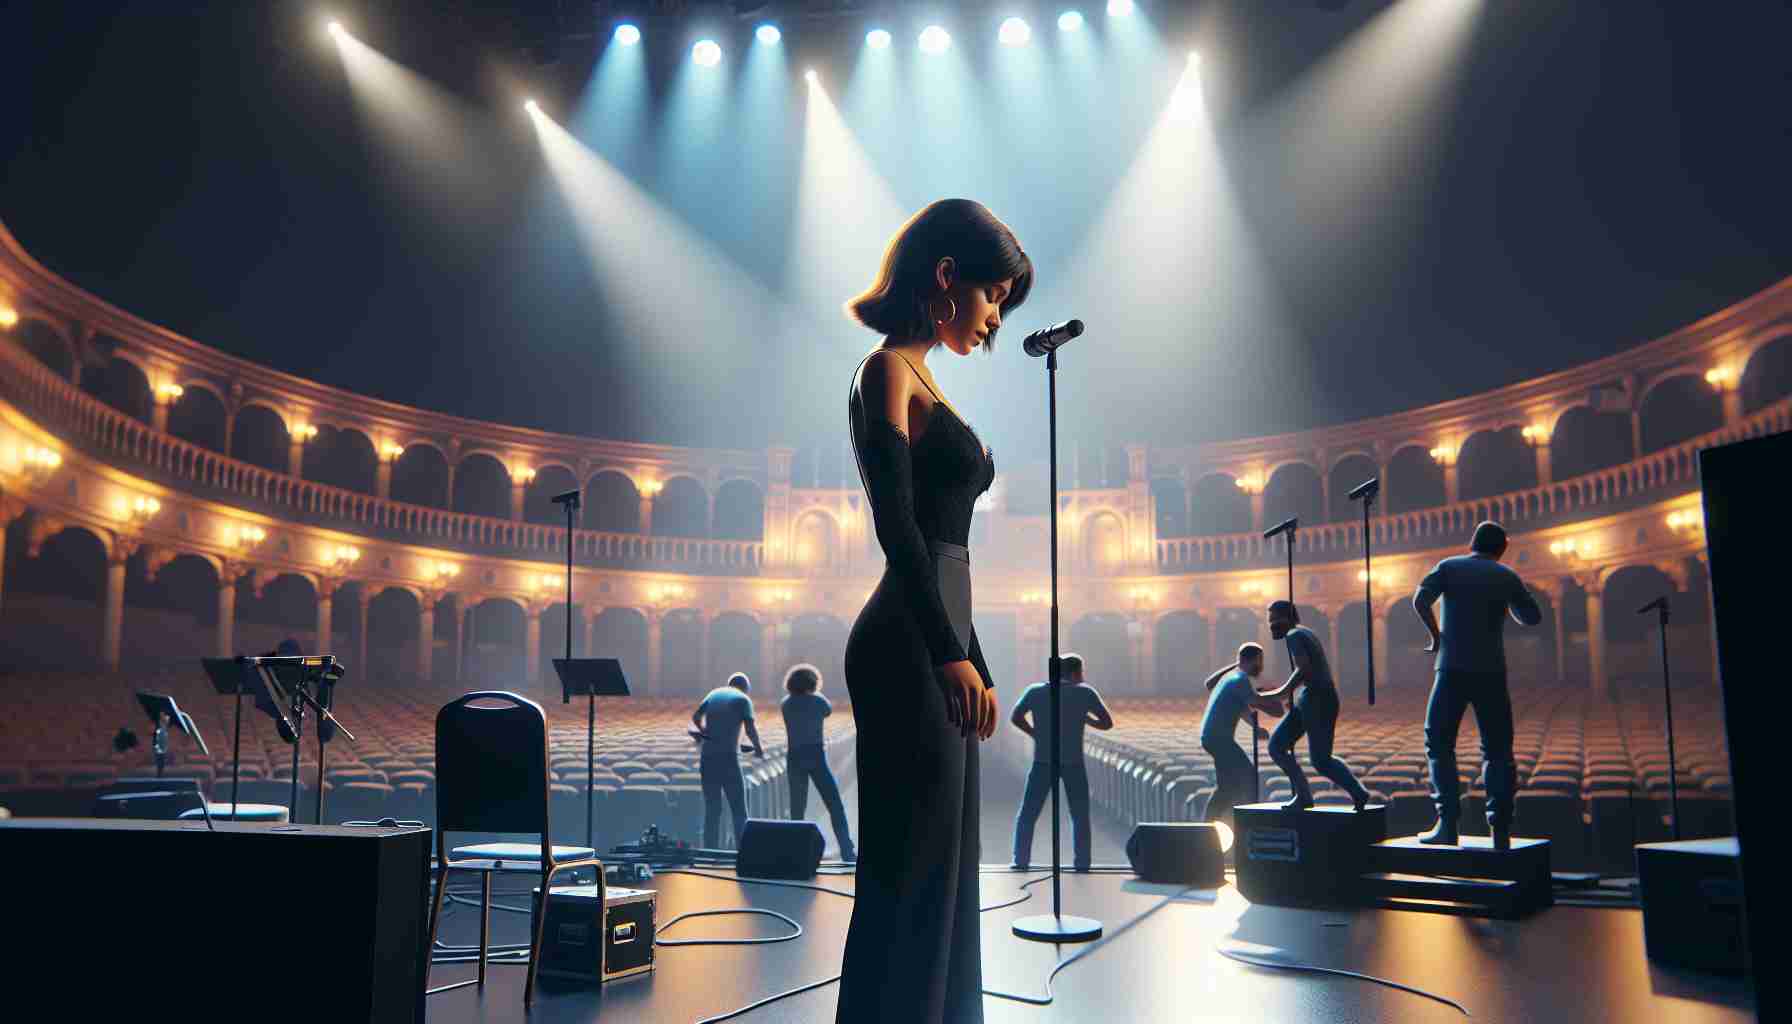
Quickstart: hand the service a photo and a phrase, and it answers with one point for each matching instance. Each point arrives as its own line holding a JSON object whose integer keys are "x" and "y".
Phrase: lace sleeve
{"x": 888, "y": 472}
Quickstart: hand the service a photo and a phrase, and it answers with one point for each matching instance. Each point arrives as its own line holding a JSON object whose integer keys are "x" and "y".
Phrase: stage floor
{"x": 1565, "y": 964}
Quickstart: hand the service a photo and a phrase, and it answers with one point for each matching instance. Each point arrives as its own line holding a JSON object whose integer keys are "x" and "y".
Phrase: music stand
{"x": 283, "y": 696}
{"x": 162, "y": 710}
{"x": 229, "y": 676}
{"x": 591, "y": 678}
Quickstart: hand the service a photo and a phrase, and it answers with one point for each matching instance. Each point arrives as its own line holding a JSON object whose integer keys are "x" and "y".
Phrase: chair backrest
{"x": 492, "y": 764}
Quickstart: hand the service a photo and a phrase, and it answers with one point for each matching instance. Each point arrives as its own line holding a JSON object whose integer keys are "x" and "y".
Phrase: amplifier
{"x": 1692, "y": 903}
{"x": 1314, "y": 857}
{"x": 597, "y": 933}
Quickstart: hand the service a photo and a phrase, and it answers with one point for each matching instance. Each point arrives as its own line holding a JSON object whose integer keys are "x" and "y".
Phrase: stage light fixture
{"x": 335, "y": 28}
{"x": 877, "y": 39}
{"x": 1070, "y": 21}
{"x": 1194, "y": 59}
{"x": 627, "y": 34}
{"x": 529, "y": 106}
{"x": 1119, "y": 8}
{"x": 934, "y": 39}
{"x": 811, "y": 77}
{"x": 768, "y": 34}
{"x": 707, "y": 52}
{"x": 1014, "y": 32}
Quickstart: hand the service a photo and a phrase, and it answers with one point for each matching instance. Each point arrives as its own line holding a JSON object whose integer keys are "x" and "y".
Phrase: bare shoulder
{"x": 885, "y": 385}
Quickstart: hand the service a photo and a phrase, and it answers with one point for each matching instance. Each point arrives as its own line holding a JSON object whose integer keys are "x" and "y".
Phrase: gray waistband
{"x": 958, "y": 551}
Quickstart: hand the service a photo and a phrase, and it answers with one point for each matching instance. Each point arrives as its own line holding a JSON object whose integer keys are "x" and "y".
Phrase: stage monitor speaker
{"x": 772, "y": 848}
{"x": 1692, "y": 903}
{"x": 1178, "y": 852}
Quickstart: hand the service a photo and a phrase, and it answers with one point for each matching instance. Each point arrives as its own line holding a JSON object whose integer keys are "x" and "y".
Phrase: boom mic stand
{"x": 1660, "y": 607}
{"x": 1366, "y": 492}
{"x": 1055, "y": 927}
{"x": 570, "y": 499}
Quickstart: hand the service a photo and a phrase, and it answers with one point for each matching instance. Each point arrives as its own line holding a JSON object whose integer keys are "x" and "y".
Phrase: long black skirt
{"x": 913, "y": 953}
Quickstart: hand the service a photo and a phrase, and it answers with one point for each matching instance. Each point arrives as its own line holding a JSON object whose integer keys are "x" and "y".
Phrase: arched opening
{"x": 259, "y": 437}
{"x": 1768, "y": 376}
{"x": 734, "y": 644}
{"x": 118, "y": 383}
{"x": 42, "y": 341}
{"x": 1219, "y": 506}
{"x": 286, "y": 608}
{"x": 1531, "y": 650}
{"x": 1585, "y": 441}
{"x": 1104, "y": 543}
{"x": 1170, "y": 499}
{"x": 1632, "y": 647}
{"x": 1350, "y": 660}
{"x": 186, "y": 586}
{"x": 1345, "y": 475}
{"x": 52, "y": 601}
{"x": 1409, "y": 667}
{"x": 420, "y": 476}
{"x": 816, "y": 540}
{"x": 553, "y": 639}
{"x": 1415, "y": 480}
{"x": 481, "y": 486}
{"x": 497, "y": 643}
{"x": 681, "y": 509}
{"x": 538, "y": 505}
{"x": 740, "y": 511}
{"x": 1102, "y": 639}
{"x": 612, "y": 503}
{"x": 1235, "y": 626}
{"x": 621, "y": 633}
{"x": 342, "y": 457}
{"x": 819, "y": 640}
{"x": 393, "y": 616}
{"x": 1293, "y": 489}
{"x": 1495, "y": 462}
{"x": 681, "y": 655}
{"x": 198, "y": 416}
{"x": 1179, "y": 648}
{"x": 1679, "y": 408}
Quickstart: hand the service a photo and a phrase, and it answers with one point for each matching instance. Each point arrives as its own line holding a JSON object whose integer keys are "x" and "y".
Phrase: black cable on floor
{"x": 1341, "y": 973}
{"x": 657, "y": 941}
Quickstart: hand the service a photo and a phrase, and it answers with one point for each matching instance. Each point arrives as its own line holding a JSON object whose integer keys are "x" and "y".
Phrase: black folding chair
{"x": 492, "y": 776}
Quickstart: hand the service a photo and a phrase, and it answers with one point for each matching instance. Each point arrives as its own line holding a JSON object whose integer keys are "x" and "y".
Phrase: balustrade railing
{"x": 1652, "y": 477}
{"x": 104, "y": 431}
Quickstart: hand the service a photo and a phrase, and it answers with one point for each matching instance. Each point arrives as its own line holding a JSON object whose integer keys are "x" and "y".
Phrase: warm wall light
{"x": 1382, "y": 579}
{"x": 1251, "y": 588}
{"x": 1444, "y": 455}
{"x": 1569, "y": 547}
{"x": 144, "y": 509}
{"x": 1691, "y": 519}
{"x": 40, "y": 462}
{"x": 1250, "y": 483}
{"x": 662, "y": 592}
{"x": 302, "y": 432}
{"x": 9, "y": 317}
{"x": 343, "y": 556}
{"x": 441, "y": 572}
{"x": 1034, "y": 597}
{"x": 245, "y": 536}
{"x": 169, "y": 392}
{"x": 775, "y": 597}
{"x": 391, "y": 452}
{"x": 1536, "y": 435}
{"x": 1723, "y": 378}
{"x": 649, "y": 488}
{"x": 523, "y": 475}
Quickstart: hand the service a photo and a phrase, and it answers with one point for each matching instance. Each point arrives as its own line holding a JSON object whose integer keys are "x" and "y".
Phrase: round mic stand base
{"x": 1057, "y": 928}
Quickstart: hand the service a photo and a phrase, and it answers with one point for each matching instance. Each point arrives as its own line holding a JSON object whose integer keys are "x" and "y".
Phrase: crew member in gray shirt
{"x": 804, "y": 710}
{"x": 1478, "y": 593}
{"x": 1081, "y": 705}
{"x": 1233, "y": 694}
{"x": 1314, "y": 714}
{"x": 719, "y": 720}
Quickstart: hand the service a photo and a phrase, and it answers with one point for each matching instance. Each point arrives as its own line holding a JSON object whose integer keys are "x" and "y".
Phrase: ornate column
{"x": 591, "y": 614}
{"x": 1257, "y": 509}
{"x": 705, "y": 669}
{"x": 228, "y": 574}
{"x": 1452, "y": 492}
{"x": 326, "y": 593}
{"x": 10, "y": 510}
{"x": 1213, "y": 638}
{"x": 1594, "y": 585}
{"x": 426, "y": 632}
{"x": 774, "y": 657}
{"x": 1543, "y": 467}
{"x": 1636, "y": 432}
{"x": 646, "y": 513}
{"x": 1334, "y": 630}
{"x": 1380, "y": 639}
{"x": 532, "y": 641}
{"x": 520, "y": 479}
{"x": 1561, "y": 640}
{"x": 463, "y": 609}
{"x": 655, "y": 620}
{"x": 777, "y": 506}
{"x": 112, "y": 625}
{"x": 361, "y": 627}
{"x": 1732, "y": 406}
{"x": 388, "y": 454}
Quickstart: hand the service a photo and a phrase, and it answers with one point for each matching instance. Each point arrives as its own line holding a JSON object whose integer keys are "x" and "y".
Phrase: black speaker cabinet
{"x": 167, "y": 919}
{"x": 1692, "y": 903}
{"x": 774, "y": 848}
{"x": 582, "y": 940}
{"x": 1177, "y": 852}
{"x": 1314, "y": 857}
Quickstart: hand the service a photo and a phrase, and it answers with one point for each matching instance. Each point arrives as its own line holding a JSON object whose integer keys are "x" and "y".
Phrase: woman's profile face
{"x": 979, "y": 308}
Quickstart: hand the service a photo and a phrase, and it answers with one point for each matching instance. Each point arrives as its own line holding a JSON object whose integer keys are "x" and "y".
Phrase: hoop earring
{"x": 948, "y": 318}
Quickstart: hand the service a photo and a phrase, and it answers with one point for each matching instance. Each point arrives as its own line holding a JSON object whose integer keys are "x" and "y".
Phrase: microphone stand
{"x": 1367, "y": 492}
{"x": 1660, "y": 607}
{"x": 1055, "y": 927}
{"x": 571, "y": 500}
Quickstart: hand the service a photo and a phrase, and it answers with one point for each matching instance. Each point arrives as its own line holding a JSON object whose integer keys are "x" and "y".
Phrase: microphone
{"x": 1367, "y": 489}
{"x": 1049, "y": 339}
{"x": 1284, "y": 526}
{"x": 326, "y": 696}
{"x": 1660, "y": 602}
{"x": 569, "y": 498}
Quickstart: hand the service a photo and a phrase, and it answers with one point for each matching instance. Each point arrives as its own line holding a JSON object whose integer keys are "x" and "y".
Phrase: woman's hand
{"x": 986, "y": 723}
{"x": 964, "y": 696}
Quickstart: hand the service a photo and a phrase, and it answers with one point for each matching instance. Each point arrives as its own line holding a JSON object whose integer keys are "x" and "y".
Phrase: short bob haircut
{"x": 803, "y": 678}
{"x": 984, "y": 249}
